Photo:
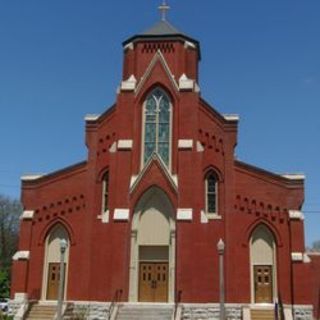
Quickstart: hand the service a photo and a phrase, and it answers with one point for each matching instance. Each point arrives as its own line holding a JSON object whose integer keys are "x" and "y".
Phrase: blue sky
{"x": 60, "y": 60}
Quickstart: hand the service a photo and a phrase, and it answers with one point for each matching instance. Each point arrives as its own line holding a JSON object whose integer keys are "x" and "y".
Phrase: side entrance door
{"x": 53, "y": 281}
{"x": 153, "y": 282}
{"x": 263, "y": 284}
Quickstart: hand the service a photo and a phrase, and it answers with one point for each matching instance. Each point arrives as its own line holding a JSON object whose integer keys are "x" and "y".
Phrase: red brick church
{"x": 161, "y": 185}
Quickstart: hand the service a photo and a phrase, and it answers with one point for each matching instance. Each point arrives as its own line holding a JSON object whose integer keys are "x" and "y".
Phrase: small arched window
{"x": 105, "y": 192}
{"x": 211, "y": 187}
{"x": 157, "y": 127}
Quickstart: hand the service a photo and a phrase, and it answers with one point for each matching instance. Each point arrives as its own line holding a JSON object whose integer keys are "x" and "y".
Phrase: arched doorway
{"x": 263, "y": 265}
{"x": 152, "y": 264}
{"x": 51, "y": 274}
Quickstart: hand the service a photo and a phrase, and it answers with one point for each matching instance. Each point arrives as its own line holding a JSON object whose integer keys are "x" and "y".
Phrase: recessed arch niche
{"x": 152, "y": 242}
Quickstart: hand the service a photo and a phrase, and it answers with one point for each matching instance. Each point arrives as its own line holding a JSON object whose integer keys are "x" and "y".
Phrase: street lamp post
{"x": 63, "y": 248}
{"x": 221, "y": 247}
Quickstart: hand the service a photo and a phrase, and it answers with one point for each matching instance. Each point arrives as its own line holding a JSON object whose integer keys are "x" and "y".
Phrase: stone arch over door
{"x": 152, "y": 239}
{"x": 263, "y": 267}
{"x": 52, "y": 262}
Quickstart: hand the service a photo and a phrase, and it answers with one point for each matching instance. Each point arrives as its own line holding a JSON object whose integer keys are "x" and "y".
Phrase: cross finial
{"x": 164, "y": 8}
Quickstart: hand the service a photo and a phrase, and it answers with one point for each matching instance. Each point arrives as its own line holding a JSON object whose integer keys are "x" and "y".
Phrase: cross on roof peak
{"x": 164, "y": 8}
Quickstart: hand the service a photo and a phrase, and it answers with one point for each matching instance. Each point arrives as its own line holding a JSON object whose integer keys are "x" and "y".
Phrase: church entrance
{"x": 53, "y": 281}
{"x": 51, "y": 270}
{"x": 153, "y": 283}
{"x": 152, "y": 265}
{"x": 263, "y": 265}
{"x": 263, "y": 284}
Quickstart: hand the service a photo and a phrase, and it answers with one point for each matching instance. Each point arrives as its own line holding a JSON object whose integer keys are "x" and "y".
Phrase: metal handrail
{"x": 115, "y": 299}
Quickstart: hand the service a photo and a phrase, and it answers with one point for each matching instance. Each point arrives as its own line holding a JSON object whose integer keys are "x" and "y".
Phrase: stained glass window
{"x": 157, "y": 126}
{"x": 211, "y": 192}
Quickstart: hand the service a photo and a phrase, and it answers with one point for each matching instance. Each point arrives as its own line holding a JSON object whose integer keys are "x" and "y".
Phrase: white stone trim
{"x": 188, "y": 44}
{"x": 21, "y": 255}
{"x": 294, "y": 176}
{"x": 296, "y": 256}
{"x": 20, "y": 296}
{"x": 231, "y": 117}
{"x": 129, "y": 84}
{"x": 296, "y": 215}
{"x": 173, "y": 179}
{"x": 113, "y": 148}
{"x": 27, "y": 215}
{"x": 92, "y": 117}
{"x": 184, "y": 214}
{"x": 104, "y": 217}
{"x": 125, "y": 144}
{"x": 197, "y": 88}
{"x": 306, "y": 258}
{"x": 157, "y": 56}
{"x": 200, "y": 147}
{"x": 185, "y": 83}
{"x": 203, "y": 217}
{"x": 185, "y": 144}
{"x": 213, "y": 216}
{"x": 121, "y": 214}
{"x": 129, "y": 46}
{"x": 31, "y": 177}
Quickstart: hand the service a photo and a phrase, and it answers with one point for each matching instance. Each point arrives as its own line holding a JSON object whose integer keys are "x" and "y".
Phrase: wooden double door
{"x": 53, "y": 281}
{"x": 153, "y": 282}
{"x": 263, "y": 284}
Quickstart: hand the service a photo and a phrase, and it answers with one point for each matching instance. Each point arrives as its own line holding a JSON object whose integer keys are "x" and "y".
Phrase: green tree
{"x": 10, "y": 211}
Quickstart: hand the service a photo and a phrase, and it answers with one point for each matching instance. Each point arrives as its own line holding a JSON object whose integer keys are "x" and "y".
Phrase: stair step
{"x": 262, "y": 314}
{"x": 41, "y": 312}
{"x": 144, "y": 312}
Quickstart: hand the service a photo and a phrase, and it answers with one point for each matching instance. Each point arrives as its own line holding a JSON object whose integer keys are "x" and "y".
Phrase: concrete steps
{"x": 145, "y": 312}
{"x": 41, "y": 312}
{"x": 262, "y": 314}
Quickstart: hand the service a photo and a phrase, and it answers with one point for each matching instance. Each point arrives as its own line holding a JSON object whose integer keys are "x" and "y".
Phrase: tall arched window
{"x": 211, "y": 187}
{"x": 105, "y": 192}
{"x": 157, "y": 115}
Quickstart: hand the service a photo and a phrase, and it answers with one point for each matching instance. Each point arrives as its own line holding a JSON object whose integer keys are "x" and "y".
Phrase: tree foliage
{"x": 10, "y": 211}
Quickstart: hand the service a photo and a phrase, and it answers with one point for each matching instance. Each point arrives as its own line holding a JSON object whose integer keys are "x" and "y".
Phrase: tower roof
{"x": 160, "y": 31}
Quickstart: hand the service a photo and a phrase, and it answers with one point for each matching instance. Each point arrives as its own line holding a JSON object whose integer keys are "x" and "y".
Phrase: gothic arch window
{"x": 105, "y": 192}
{"x": 211, "y": 192}
{"x": 157, "y": 126}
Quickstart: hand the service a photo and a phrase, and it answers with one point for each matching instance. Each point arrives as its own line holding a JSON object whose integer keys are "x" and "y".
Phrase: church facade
{"x": 161, "y": 186}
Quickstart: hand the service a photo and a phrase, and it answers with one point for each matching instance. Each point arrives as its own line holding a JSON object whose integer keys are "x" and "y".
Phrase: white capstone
{"x": 27, "y": 215}
{"x": 231, "y": 117}
{"x": 296, "y": 215}
{"x": 113, "y": 148}
{"x": 104, "y": 217}
{"x": 197, "y": 88}
{"x": 185, "y": 144}
{"x": 130, "y": 84}
{"x": 200, "y": 147}
{"x": 129, "y": 46}
{"x": 184, "y": 214}
{"x": 125, "y": 144}
{"x": 204, "y": 218}
{"x": 296, "y": 256}
{"x": 91, "y": 117}
{"x": 185, "y": 83}
{"x": 306, "y": 258}
{"x": 21, "y": 255}
{"x": 133, "y": 180}
{"x": 294, "y": 176}
{"x": 31, "y": 177}
{"x": 188, "y": 44}
{"x": 121, "y": 214}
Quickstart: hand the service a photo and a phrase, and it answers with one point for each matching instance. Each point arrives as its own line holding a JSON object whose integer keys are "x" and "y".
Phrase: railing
{"x": 176, "y": 304}
{"x": 115, "y": 299}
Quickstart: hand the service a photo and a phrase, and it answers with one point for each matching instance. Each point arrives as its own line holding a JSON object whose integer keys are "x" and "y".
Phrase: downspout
{"x": 291, "y": 270}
